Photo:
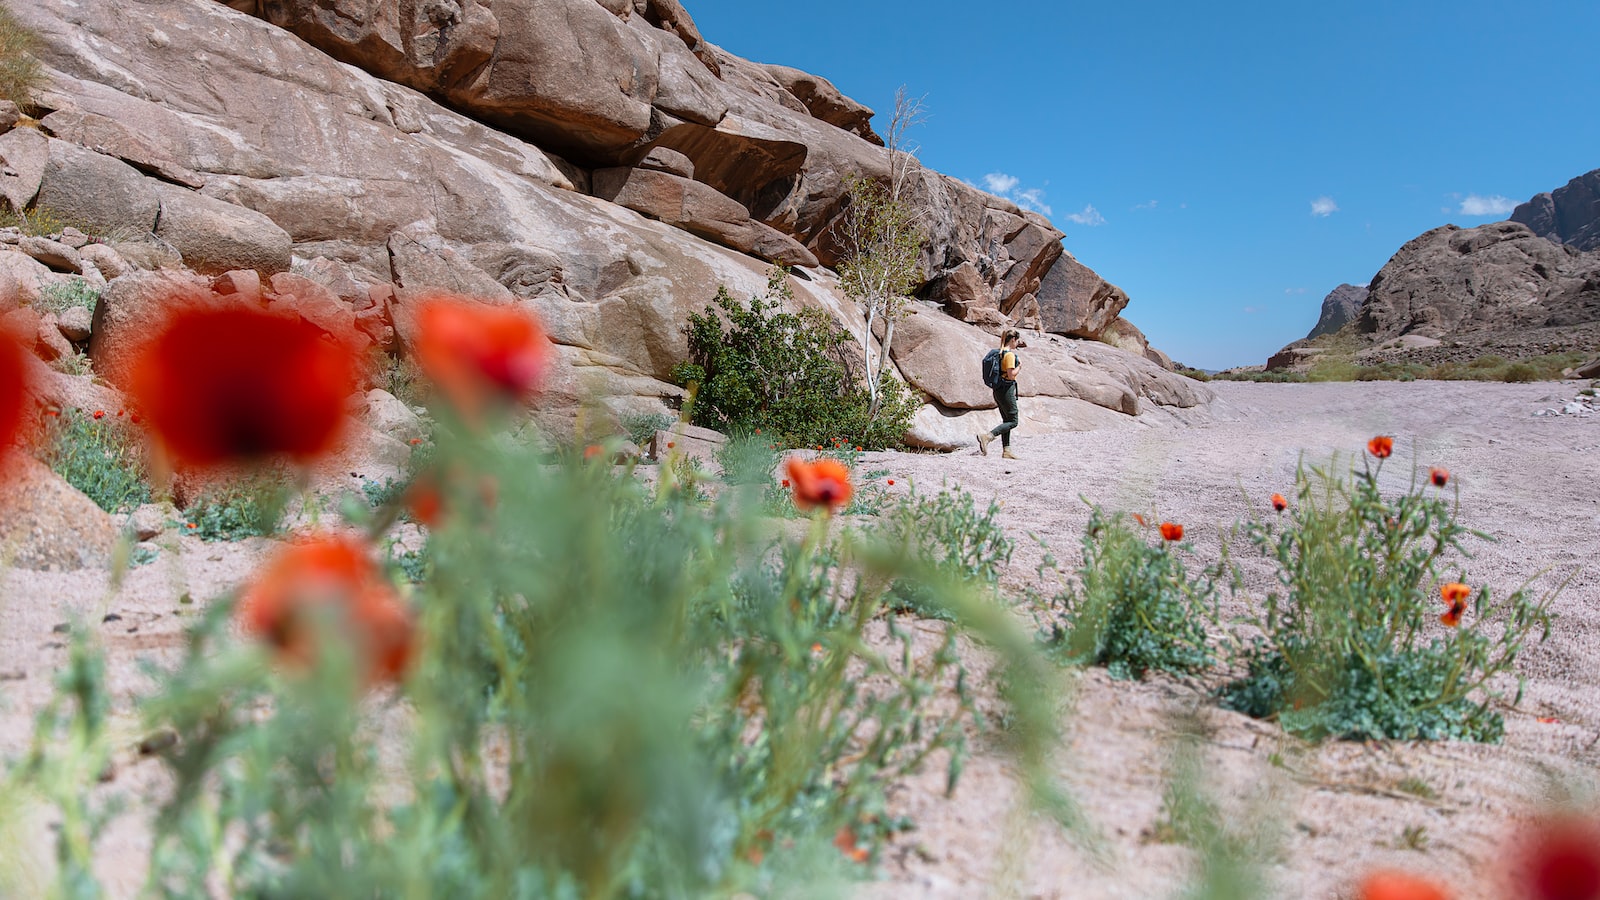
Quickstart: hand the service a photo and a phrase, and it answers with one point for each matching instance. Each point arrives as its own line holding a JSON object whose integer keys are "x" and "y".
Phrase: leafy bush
{"x": 946, "y": 533}
{"x": 787, "y": 374}
{"x": 642, "y": 427}
{"x": 60, "y": 296}
{"x": 101, "y": 457}
{"x": 1135, "y": 608}
{"x": 35, "y": 221}
{"x": 19, "y": 71}
{"x": 1353, "y": 647}
{"x": 252, "y": 507}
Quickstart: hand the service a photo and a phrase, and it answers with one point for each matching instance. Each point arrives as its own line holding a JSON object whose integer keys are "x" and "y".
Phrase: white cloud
{"x": 1289, "y": 292}
{"x": 1474, "y": 205}
{"x": 1090, "y": 216}
{"x": 1149, "y": 204}
{"x": 999, "y": 183}
{"x": 1033, "y": 199}
{"x": 1324, "y": 206}
{"x": 1251, "y": 310}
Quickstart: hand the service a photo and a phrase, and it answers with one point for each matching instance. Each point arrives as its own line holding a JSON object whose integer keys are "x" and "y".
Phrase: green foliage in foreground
{"x": 100, "y": 457}
{"x": 788, "y": 375}
{"x": 1353, "y": 647}
{"x": 622, "y": 691}
{"x": 947, "y": 533}
{"x": 1135, "y": 607}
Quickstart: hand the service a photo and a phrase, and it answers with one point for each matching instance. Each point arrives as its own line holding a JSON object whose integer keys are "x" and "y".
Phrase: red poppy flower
{"x": 414, "y": 441}
{"x": 237, "y": 384}
{"x": 786, "y": 482}
{"x": 1140, "y": 519}
{"x": 425, "y": 502}
{"x": 1439, "y": 475}
{"x": 845, "y": 840}
{"x": 99, "y": 414}
{"x": 14, "y": 394}
{"x": 1549, "y": 720}
{"x": 1381, "y": 446}
{"x": 591, "y": 451}
{"x": 824, "y": 483}
{"x": 1560, "y": 860}
{"x": 1171, "y": 531}
{"x": 1390, "y": 885}
{"x": 330, "y": 574}
{"x": 891, "y": 482}
{"x": 480, "y": 354}
{"x": 1455, "y": 594}
{"x": 1279, "y": 503}
{"x": 671, "y": 444}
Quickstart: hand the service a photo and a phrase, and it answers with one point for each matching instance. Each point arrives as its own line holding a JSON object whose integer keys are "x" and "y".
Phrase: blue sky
{"x": 1227, "y": 164}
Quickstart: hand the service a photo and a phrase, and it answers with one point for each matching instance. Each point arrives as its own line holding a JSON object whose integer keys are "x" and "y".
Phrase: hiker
{"x": 1000, "y": 373}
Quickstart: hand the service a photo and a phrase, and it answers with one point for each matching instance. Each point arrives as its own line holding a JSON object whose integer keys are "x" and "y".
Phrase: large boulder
{"x": 700, "y": 210}
{"x": 110, "y": 137}
{"x": 24, "y": 153}
{"x": 95, "y": 192}
{"x": 214, "y": 236}
{"x": 1077, "y": 302}
{"x": 20, "y": 279}
{"x": 1569, "y": 215}
{"x": 1495, "y": 278}
{"x": 47, "y": 524}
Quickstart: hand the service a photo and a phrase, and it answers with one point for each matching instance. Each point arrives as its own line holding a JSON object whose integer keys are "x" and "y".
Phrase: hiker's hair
{"x": 1009, "y": 335}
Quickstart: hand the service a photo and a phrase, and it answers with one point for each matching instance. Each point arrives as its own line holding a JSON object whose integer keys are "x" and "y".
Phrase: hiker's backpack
{"x": 991, "y": 368}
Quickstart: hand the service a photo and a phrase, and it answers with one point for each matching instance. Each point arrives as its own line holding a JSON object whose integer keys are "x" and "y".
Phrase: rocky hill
{"x": 1342, "y": 304}
{"x": 597, "y": 160}
{"x": 1567, "y": 215}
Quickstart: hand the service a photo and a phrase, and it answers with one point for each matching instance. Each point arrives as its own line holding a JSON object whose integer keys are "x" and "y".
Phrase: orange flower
{"x": 824, "y": 483}
{"x": 223, "y": 385}
{"x": 1391, "y": 885}
{"x": 671, "y": 444}
{"x": 1381, "y": 446}
{"x": 1439, "y": 475}
{"x": 1455, "y": 594}
{"x": 1171, "y": 531}
{"x": 891, "y": 482}
{"x": 1560, "y": 860}
{"x": 591, "y": 451}
{"x": 99, "y": 414}
{"x": 1548, "y": 720}
{"x": 330, "y": 574}
{"x": 845, "y": 840}
{"x": 480, "y": 354}
{"x": 1279, "y": 503}
{"x": 414, "y": 441}
{"x": 425, "y": 502}
{"x": 1140, "y": 519}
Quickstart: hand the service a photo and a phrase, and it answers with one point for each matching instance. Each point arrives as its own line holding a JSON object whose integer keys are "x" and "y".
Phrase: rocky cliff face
{"x": 1341, "y": 305}
{"x": 597, "y": 160}
{"x": 1567, "y": 215}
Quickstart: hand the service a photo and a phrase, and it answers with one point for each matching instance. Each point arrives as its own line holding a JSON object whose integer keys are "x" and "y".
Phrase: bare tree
{"x": 881, "y": 239}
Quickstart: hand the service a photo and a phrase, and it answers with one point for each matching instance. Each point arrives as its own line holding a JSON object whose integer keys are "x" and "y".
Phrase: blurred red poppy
{"x": 478, "y": 354}
{"x": 1439, "y": 475}
{"x": 1381, "y": 446}
{"x": 15, "y": 396}
{"x": 1455, "y": 594}
{"x": 237, "y": 384}
{"x": 824, "y": 483}
{"x": 1391, "y": 885}
{"x": 1171, "y": 531}
{"x": 1279, "y": 503}
{"x": 1559, "y": 859}
{"x": 845, "y": 841}
{"x": 332, "y": 574}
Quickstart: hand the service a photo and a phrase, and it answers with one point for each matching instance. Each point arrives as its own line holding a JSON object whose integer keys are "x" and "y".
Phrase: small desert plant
{"x": 19, "y": 70}
{"x": 233, "y": 511}
{"x": 99, "y": 454}
{"x": 1135, "y": 607}
{"x": 948, "y": 533}
{"x": 789, "y": 375}
{"x": 36, "y": 221}
{"x": 642, "y": 427}
{"x": 63, "y": 295}
{"x": 1364, "y": 641}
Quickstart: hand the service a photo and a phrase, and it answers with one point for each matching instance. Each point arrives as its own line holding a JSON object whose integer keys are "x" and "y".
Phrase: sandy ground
{"x": 1333, "y": 811}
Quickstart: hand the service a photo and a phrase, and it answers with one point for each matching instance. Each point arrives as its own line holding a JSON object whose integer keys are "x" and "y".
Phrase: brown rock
{"x": 131, "y": 310}
{"x": 54, "y": 254}
{"x": 9, "y": 114}
{"x": 421, "y": 262}
{"x": 24, "y": 152}
{"x": 214, "y": 236}
{"x": 244, "y": 284}
{"x": 96, "y": 192}
{"x": 108, "y": 261}
{"x": 700, "y": 210}
{"x": 47, "y": 524}
{"x": 666, "y": 159}
{"x": 1076, "y": 302}
{"x": 823, "y": 101}
{"x": 1570, "y": 214}
{"x": 692, "y": 441}
{"x": 76, "y": 323}
{"x": 20, "y": 277}
{"x": 964, "y": 292}
{"x": 110, "y": 137}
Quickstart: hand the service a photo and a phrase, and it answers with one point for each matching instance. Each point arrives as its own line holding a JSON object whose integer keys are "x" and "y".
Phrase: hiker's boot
{"x": 984, "y": 438}
{"x": 1008, "y": 454}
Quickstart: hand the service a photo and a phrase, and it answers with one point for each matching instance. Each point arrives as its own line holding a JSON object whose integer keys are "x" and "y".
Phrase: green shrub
{"x": 36, "y": 221}
{"x": 251, "y": 507}
{"x": 19, "y": 70}
{"x": 946, "y": 533}
{"x": 787, "y": 374}
{"x": 1135, "y": 607}
{"x": 61, "y": 296}
{"x": 1352, "y": 647}
{"x": 101, "y": 457}
{"x": 642, "y": 427}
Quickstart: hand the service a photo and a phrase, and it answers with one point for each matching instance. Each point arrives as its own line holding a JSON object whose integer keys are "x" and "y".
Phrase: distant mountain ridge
{"x": 1568, "y": 214}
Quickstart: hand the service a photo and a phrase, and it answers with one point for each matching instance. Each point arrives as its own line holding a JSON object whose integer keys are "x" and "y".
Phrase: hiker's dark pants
{"x": 1005, "y": 397}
